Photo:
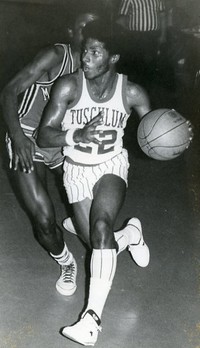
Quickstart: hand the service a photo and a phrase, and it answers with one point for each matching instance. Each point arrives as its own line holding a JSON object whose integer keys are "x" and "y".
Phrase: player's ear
{"x": 115, "y": 58}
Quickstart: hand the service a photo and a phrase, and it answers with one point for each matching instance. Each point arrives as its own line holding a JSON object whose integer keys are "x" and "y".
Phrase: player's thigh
{"x": 32, "y": 190}
{"x": 58, "y": 171}
{"x": 82, "y": 217}
{"x": 109, "y": 195}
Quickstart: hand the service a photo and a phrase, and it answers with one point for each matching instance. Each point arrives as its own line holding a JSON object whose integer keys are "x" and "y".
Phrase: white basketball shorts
{"x": 79, "y": 180}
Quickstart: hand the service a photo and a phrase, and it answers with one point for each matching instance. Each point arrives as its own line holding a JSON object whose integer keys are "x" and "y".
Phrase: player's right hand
{"x": 23, "y": 152}
{"x": 88, "y": 133}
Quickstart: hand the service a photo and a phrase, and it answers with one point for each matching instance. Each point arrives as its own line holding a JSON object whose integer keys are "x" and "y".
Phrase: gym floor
{"x": 154, "y": 307}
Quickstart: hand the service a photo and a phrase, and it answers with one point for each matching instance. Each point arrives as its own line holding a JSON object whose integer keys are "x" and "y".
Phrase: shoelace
{"x": 68, "y": 273}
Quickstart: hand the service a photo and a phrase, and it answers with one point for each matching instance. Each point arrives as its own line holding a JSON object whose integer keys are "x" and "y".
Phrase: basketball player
{"x": 87, "y": 115}
{"x": 26, "y": 158}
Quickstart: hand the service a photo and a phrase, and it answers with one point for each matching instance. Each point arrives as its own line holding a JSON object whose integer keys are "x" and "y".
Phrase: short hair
{"x": 103, "y": 30}
{"x": 78, "y": 8}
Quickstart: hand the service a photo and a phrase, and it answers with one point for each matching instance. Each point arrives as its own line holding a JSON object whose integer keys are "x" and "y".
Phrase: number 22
{"x": 101, "y": 147}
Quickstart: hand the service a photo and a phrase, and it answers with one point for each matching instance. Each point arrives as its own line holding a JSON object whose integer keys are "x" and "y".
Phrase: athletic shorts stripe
{"x": 79, "y": 180}
{"x": 51, "y": 157}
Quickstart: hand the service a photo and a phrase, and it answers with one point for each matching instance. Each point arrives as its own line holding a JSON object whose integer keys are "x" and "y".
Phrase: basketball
{"x": 164, "y": 134}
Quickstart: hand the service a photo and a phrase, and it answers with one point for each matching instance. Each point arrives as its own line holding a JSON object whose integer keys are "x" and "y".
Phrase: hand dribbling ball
{"x": 164, "y": 134}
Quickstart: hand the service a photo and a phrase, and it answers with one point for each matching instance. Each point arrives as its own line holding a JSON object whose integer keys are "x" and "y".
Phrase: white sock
{"x": 103, "y": 266}
{"x": 129, "y": 235}
{"x": 65, "y": 258}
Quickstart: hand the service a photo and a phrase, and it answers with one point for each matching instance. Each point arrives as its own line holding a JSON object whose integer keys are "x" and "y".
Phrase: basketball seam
{"x": 153, "y": 124}
{"x": 169, "y": 147}
{"x": 149, "y": 142}
{"x": 164, "y": 142}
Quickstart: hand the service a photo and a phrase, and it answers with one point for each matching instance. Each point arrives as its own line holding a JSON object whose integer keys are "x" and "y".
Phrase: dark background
{"x": 28, "y": 25}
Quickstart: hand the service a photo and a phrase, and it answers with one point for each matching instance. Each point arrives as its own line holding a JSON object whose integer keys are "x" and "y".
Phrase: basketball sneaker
{"x": 66, "y": 284}
{"x": 68, "y": 225}
{"x": 140, "y": 251}
{"x": 86, "y": 330}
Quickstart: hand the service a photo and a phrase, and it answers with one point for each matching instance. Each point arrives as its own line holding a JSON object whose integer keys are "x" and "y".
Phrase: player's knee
{"x": 44, "y": 223}
{"x": 101, "y": 234}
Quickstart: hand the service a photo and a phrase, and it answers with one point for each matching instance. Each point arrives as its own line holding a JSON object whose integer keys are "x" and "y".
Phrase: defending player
{"x": 87, "y": 115}
{"x": 26, "y": 158}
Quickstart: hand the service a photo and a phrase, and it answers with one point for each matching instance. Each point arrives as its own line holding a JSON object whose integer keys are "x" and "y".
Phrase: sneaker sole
{"x": 75, "y": 340}
{"x": 65, "y": 292}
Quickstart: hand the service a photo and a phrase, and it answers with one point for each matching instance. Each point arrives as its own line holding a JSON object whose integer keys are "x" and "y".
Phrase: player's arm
{"x": 23, "y": 147}
{"x": 137, "y": 99}
{"x": 50, "y": 133}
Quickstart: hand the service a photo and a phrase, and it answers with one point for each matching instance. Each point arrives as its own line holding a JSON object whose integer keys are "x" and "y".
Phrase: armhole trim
{"x": 124, "y": 87}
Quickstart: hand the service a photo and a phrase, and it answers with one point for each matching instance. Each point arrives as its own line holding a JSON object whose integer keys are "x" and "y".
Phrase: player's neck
{"x": 76, "y": 58}
{"x": 102, "y": 85}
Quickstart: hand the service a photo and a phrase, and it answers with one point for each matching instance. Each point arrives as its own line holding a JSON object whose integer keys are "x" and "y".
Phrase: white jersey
{"x": 86, "y": 107}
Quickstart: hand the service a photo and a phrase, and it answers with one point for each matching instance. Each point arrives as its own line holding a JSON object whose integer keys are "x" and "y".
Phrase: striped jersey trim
{"x": 28, "y": 100}
{"x": 31, "y": 93}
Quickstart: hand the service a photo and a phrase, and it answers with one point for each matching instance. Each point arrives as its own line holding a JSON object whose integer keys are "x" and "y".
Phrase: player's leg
{"x": 79, "y": 182}
{"x": 33, "y": 191}
{"x": 81, "y": 212}
{"x": 131, "y": 237}
{"x": 109, "y": 193}
{"x": 34, "y": 195}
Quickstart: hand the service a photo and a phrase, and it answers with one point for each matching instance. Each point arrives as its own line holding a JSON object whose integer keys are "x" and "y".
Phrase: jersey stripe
{"x": 64, "y": 62}
{"x": 71, "y": 61}
{"x": 30, "y": 94}
{"x": 62, "y": 68}
{"x": 28, "y": 100}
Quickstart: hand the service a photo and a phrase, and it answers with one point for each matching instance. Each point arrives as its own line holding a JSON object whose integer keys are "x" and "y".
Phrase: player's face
{"x": 80, "y": 23}
{"x": 95, "y": 59}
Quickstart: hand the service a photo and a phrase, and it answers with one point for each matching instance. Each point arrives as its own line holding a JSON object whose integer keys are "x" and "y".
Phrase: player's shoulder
{"x": 59, "y": 48}
{"x": 48, "y": 57}
{"x": 52, "y": 52}
{"x": 136, "y": 96}
{"x": 67, "y": 84}
{"x": 134, "y": 90}
{"x": 70, "y": 80}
